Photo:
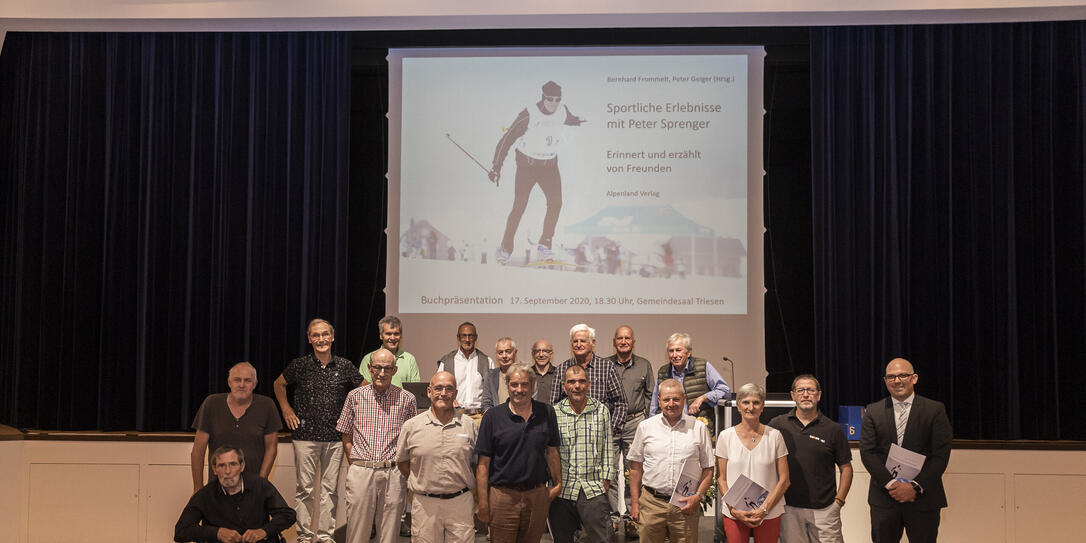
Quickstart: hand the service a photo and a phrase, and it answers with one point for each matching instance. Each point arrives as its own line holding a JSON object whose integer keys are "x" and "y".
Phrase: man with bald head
{"x": 370, "y": 424}
{"x": 543, "y": 356}
{"x": 920, "y": 425}
{"x": 240, "y": 418}
{"x": 434, "y": 454}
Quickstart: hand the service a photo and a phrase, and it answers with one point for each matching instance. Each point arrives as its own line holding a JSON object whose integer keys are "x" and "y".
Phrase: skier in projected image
{"x": 537, "y": 134}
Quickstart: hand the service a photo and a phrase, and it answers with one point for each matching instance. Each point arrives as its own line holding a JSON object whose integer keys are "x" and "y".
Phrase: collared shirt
{"x": 319, "y": 392}
{"x": 587, "y": 456}
{"x": 440, "y": 453}
{"x": 638, "y": 381}
{"x": 814, "y": 452}
{"x": 718, "y": 387}
{"x": 663, "y": 449}
{"x": 604, "y": 386}
{"x": 374, "y": 421}
{"x": 407, "y": 368}
{"x": 211, "y": 508}
{"x": 518, "y": 448}
{"x": 469, "y": 384}
{"x": 544, "y": 383}
{"x": 905, "y": 405}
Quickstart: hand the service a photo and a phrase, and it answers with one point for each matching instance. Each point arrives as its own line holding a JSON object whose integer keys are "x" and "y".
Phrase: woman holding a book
{"x": 752, "y": 457}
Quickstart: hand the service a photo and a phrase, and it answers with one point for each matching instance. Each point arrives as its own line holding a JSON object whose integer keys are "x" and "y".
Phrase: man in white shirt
{"x": 661, "y": 446}
{"x": 470, "y": 366}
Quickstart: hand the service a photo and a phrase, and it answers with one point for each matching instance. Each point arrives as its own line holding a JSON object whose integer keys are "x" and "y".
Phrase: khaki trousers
{"x": 434, "y": 520}
{"x": 374, "y": 495}
{"x": 659, "y": 519}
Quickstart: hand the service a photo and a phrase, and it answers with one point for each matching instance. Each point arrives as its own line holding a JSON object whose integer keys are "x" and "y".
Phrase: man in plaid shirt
{"x": 605, "y": 385}
{"x": 588, "y": 466}
{"x": 370, "y": 424}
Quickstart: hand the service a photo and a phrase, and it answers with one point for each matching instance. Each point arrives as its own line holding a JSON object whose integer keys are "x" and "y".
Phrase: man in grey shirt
{"x": 638, "y": 382}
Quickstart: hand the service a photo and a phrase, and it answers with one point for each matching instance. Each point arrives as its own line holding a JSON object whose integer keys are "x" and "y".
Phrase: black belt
{"x": 659, "y": 495}
{"x": 448, "y": 496}
{"x": 521, "y": 487}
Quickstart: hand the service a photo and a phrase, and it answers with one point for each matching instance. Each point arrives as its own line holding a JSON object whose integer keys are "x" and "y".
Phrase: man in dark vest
{"x": 470, "y": 366}
{"x": 703, "y": 384}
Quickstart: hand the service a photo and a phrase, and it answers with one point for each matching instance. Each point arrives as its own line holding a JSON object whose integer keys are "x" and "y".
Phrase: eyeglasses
{"x": 805, "y": 390}
{"x": 382, "y": 369}
{"x": 552, "y": 98}
{"x": 465, "y": 336}
{"x": 537, "y": 351}
{"x": 898, "y": 377}
{"x": 443, "y": 388}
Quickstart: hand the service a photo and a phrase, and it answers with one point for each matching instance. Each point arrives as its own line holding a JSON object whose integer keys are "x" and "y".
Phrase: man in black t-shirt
{"x": 816, "y": 448}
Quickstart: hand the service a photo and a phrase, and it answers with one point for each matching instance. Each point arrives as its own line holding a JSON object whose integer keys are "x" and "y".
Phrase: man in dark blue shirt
{"x": 517, "y": 448}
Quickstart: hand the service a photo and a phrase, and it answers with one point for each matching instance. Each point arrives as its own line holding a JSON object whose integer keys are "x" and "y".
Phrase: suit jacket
{"x": 928, "y": 432}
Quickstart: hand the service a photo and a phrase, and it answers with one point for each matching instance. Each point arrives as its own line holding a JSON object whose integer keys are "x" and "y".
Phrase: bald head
{"x": 900, "y": 379}
{"x": 442, "y": 393}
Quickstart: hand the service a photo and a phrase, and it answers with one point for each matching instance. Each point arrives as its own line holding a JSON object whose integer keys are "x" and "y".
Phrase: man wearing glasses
{"x": 538, "y": 133}
{"x": 920, "y": 425}
{"x": 470, "y": 366}
{"x": 370, "y": 424}
{"x": 435, "y": 454}
{"x": 543, "y": 356}
{"x": 817, "y": 448}
{"x": 321, "y": 382}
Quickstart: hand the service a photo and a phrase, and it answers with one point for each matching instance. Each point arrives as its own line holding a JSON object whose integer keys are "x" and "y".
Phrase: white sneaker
{"x": 543, "y": 252}
{"x": 502, "y": 256}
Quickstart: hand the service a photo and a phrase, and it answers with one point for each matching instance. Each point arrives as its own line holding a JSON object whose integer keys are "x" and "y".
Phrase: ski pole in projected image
{"x": 493, "y": 176}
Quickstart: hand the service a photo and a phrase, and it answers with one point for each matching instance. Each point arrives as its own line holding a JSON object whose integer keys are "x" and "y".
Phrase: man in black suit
{"x": 920, "y": 425}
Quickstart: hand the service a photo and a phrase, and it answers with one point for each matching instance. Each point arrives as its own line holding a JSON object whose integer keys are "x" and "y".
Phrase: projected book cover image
{"x": 572, "y": 181}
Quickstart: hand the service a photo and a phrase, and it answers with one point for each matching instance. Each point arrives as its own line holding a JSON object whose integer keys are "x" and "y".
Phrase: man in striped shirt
{"x": 588, "y": 466}
{"x": 370, "y": 424}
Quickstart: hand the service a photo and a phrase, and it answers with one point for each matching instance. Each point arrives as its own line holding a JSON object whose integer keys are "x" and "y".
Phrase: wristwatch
{"x": 916, "y": 486}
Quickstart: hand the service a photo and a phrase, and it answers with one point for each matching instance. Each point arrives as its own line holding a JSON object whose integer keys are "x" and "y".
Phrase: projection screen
{"x": 534, "y": 189}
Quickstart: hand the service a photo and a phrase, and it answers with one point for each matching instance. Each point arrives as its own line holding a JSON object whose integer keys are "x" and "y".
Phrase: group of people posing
{"x": 509, "y": 448}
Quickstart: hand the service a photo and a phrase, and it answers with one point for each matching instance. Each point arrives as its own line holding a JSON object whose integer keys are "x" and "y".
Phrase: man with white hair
{"x": 606, "y": 386}
{"x": 703, "y": 384}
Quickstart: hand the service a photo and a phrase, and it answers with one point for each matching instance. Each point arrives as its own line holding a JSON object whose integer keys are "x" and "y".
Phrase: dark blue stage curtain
{"x": 171, "y": 204}
{"x": 948, "y": 219}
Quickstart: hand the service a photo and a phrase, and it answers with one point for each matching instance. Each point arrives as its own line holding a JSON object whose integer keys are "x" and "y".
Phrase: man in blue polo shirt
{"x": 517, "y": 448}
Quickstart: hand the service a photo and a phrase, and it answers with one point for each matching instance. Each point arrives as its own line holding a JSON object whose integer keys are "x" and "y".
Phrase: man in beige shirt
{"x": 435, "y": 455}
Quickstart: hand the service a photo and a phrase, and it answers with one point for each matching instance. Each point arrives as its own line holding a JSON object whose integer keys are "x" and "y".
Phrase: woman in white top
{"x": 757, "y": 451}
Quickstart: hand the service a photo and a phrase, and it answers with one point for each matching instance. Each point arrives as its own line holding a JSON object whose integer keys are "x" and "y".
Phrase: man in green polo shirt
{"x": 390, "y": 331}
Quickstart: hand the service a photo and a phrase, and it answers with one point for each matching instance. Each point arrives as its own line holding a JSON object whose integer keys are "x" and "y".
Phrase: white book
{"x": 904, "y": 464}
{"x": 688, "y": 481}
{"x": 745, "y": 495}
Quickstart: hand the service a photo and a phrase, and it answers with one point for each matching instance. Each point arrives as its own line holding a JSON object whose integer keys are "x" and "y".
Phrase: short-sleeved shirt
{"x": 586, "y": 453}
{"x": 407, "y": 368}
{"x": 759, "y": 465}
{"x": 603, "y": 385}
{"x": 374, "y": 420}
{"x": 246, "y": 432}
{"x": 663, "y": 449}
{"x": 814, "y": 452}
{"x": 518, "y": 448}
{"x": 440, "y": 454}
{"x": 319, "y": 393}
